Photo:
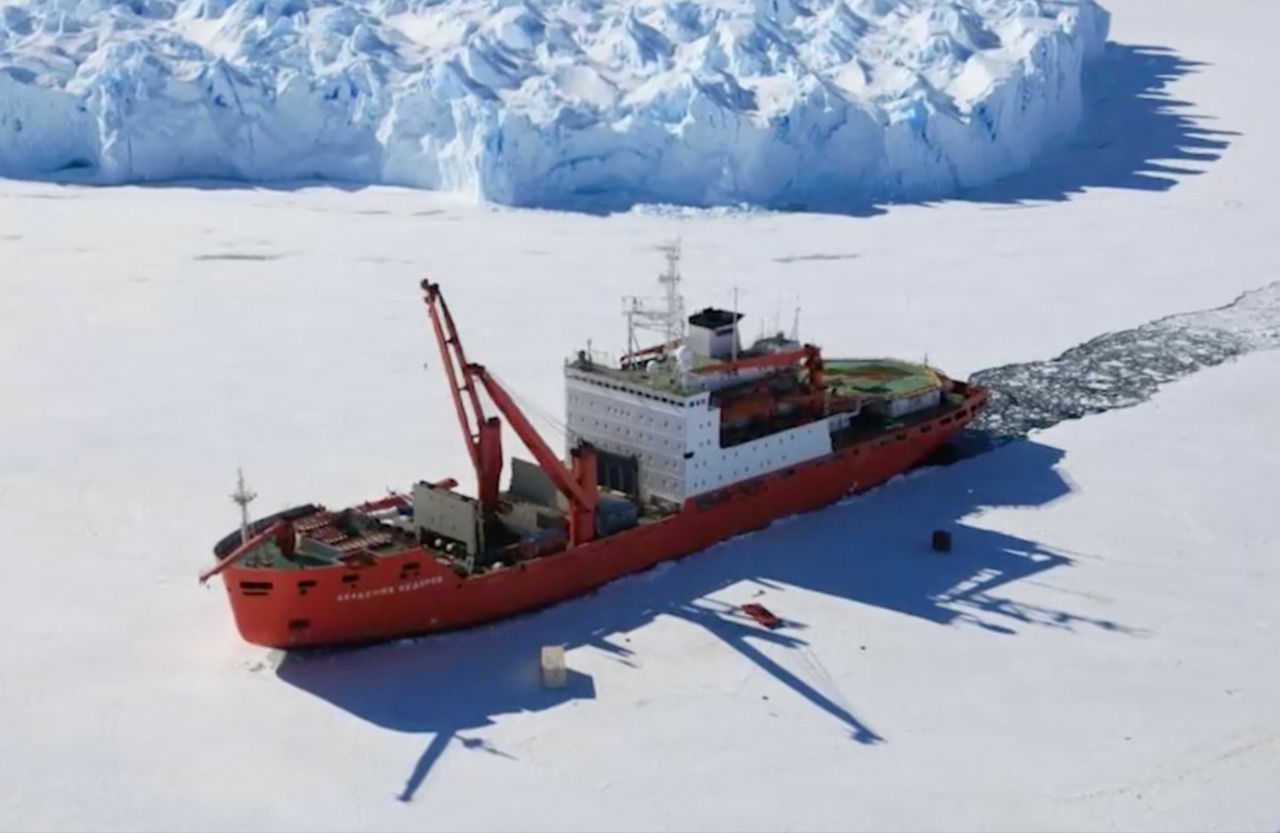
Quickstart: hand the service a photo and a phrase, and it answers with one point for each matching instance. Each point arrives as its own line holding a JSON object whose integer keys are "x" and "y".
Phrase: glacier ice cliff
{"x": 553, "y": 103}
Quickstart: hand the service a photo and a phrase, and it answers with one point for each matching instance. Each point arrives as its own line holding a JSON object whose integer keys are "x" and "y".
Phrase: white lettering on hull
{"x": 387, "y": 591}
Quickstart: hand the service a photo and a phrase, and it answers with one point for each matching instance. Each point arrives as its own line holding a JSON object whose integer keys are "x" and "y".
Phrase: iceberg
{"x": 571, "y": 104}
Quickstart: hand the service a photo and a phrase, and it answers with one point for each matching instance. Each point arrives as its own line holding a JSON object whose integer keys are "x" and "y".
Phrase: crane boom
{"x": 559, "y": 474}
{"x": 484, "y": 440}
{"x": 579, "y": 485}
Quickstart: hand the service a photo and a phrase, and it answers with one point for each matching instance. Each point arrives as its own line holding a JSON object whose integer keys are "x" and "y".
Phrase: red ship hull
{"x": 412, "y": 592}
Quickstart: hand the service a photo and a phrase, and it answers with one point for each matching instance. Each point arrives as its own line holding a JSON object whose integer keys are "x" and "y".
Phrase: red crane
{"x": 484, "y": 440}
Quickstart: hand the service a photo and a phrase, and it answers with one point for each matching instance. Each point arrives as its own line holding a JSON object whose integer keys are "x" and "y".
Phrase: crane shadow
{"x": 871, "y": 551}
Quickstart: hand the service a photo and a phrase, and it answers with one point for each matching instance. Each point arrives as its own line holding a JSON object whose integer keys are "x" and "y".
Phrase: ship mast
{"x": 667, "y": 319}
{"x": 675, "y": 304}
{"x": 243, "y": 496}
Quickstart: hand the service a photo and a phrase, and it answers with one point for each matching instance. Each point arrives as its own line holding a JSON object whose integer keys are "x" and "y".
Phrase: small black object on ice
{"x": 941, "y": 540}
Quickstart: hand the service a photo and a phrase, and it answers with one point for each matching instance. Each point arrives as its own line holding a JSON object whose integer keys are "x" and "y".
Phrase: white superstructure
{"x": 662, "y": 415}
{"x": 676, "y": 439}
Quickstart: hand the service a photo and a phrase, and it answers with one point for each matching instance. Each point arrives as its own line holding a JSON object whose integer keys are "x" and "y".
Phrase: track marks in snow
{"x": 237, "y": 256}
{"x": 1197, "y": 765}
{"x": 813, "y": 257}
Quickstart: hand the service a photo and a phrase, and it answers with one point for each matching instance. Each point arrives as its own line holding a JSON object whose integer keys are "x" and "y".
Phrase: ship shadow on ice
{"x": 444, "y": 685}
{"x": 872, "y": 551}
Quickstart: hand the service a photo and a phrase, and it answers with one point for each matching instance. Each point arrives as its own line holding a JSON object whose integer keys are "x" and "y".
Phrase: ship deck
{"x": 325, "y": 537}
{"x": 878, "y": 377}
{"x": 844, "y": 377}
{"x": 859, "y": 430}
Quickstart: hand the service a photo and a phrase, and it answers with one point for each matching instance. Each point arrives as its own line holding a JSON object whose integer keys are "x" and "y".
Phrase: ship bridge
{"x": 658, "y": 410}
{"x": 697, "y": 411}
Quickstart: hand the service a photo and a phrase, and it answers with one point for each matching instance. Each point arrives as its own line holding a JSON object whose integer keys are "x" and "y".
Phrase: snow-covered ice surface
{"x": 1097, "y": 653}
{"x": 583, "y": 103}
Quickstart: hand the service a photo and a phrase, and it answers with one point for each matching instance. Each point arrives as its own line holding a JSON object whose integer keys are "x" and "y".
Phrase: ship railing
{"x": 244, "y": 549}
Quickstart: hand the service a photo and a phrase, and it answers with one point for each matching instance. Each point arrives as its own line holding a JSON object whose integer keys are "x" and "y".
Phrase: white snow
{"x": 574, "y": 103}
{"x": 1097, "y": 653}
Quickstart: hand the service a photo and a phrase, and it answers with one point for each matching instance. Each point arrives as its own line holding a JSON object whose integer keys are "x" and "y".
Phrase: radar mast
{"x": 668, "y": 319}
